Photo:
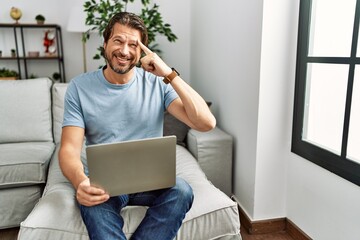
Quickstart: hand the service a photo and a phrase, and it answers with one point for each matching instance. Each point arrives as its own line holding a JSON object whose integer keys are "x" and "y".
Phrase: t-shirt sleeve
{"x": 170, "y": 95}
{"x": 73, "y": 115}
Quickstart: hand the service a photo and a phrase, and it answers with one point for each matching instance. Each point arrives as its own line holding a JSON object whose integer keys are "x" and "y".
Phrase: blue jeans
{"x": 167, "y": 209}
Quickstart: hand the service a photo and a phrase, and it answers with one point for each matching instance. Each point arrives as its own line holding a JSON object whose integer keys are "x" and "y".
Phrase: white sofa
{"x": 205, "y": 163}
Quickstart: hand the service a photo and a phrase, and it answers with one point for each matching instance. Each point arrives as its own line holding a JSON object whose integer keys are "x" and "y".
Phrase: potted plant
{"x": 100, "y": 12}
{"x": 7, "y": 74}
{"x": 13, "y": 52}
{"x": 40, "y": 19}
{"x": 0, "y": 53}
{"x": 33, "y": 76}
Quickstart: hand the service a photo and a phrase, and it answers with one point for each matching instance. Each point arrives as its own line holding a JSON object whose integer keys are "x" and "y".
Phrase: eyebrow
{"x": 124, "y": 38}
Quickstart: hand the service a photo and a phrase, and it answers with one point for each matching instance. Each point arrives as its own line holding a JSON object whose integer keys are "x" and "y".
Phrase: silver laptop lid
{"x": 133, "y": 166}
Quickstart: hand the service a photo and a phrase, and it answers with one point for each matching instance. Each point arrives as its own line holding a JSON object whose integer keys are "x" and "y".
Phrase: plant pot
{"x": 40, "y": 22}
{"x": 8, "y": 78}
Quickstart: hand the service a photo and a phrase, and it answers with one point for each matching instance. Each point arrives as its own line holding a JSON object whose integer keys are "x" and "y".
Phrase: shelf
{"x": 20, "y": 34}
{"x": 27, "y": 25}
{"x": 32, "y": 58}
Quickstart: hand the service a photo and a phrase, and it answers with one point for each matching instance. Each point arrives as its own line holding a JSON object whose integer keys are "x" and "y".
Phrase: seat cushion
{"x": 17, "y": 203}
{"x": 25, "y": 163}
{"x": 25, "y": 110}
{"x": 213, "y": 215}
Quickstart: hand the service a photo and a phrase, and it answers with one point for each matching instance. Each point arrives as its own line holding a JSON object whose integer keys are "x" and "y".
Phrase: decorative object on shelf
{"x": 56, "y": 76}
{"x": 100, "y": 12}
{"x": 49, "y": 43}
{"x": 0, "y": 53}
{"x": 40, "y": 19}
{"x": 52, "y": 50}
{"x": 15, "y": 13}
{"x": 13, "y": 52}
{"x": 33, "y": 76}
{"x": 7, "y": 74}
{"x": 33, "y": 53}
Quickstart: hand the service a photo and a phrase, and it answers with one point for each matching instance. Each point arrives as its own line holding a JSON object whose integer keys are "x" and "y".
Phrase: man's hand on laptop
{"x": 88, "y": 195}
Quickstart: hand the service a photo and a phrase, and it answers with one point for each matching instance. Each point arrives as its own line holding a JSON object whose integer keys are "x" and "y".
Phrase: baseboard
{"x": 295, "y": 232}
{"x": 270, "y": 225}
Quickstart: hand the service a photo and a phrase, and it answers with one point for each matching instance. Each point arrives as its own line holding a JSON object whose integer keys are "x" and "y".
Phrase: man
{"x": 123, "y": 102}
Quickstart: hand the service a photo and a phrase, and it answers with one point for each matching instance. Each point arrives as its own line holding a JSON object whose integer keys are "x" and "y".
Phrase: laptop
{"x": 133, "y": 166}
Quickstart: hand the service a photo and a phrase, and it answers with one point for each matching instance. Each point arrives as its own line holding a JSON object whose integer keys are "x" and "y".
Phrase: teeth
{"x": 122, "y": 59}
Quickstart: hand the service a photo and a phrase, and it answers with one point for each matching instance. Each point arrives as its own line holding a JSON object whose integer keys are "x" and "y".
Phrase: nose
{"x": 124, "y": 50}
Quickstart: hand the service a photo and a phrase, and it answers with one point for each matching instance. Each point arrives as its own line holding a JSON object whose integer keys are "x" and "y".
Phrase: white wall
{"x": 175, "y": 12}
{"x": 243, "y": 59}
{"x": 225, "y": 60}
{"x": 324, "y": 205}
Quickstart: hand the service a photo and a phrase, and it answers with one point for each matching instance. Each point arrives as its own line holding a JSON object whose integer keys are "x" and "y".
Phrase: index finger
{"x": 144, "y": 48}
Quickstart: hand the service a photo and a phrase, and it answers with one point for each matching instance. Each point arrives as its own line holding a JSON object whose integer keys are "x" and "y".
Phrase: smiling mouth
{"x": 121, "y": 59}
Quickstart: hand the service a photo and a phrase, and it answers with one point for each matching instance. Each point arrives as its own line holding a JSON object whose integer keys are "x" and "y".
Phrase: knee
{"x": 184, "y": 192}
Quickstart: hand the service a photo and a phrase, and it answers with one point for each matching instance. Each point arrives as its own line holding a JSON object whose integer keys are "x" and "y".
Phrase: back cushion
{"x": 58, "y": 91}
{"x": 25, "y": 110}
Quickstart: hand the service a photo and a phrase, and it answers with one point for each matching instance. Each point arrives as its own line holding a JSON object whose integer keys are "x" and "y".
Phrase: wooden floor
{"x": 271, "y": 236}
{"x": 11, "y": 234}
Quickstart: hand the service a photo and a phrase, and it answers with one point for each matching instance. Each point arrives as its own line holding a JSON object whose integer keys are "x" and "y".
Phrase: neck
{"x": 117, "y": 78}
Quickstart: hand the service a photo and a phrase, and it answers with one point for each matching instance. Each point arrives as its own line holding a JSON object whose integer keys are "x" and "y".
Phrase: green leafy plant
{"x": 100, "y": 12}
{"x": 33, "y": 76}
{"x": 4, "y": 72}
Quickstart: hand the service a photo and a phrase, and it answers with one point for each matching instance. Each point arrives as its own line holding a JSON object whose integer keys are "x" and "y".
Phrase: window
{"x": 326, "y": 124}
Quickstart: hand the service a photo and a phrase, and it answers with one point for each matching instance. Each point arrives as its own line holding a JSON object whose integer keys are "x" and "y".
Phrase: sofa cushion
{"x": 173, "y": 126}
{"x": 24, "y": 163}
{"x": 212, "y": 216}
{"x": 25, "y": 110}
{"x": 58, "y": 94}
{"x": 11, "y": 214}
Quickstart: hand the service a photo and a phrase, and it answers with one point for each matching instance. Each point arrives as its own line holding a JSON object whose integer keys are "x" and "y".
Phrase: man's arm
{"x": 70, "y": 163}
{"x": 191, "y": 108}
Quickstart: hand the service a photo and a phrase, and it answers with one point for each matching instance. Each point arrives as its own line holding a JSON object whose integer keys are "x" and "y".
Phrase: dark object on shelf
{"x": 56, "y": 76}
{"x": 13, "y": 53}
{"x": 22, "y": 59}
{"x": 40, "y": 19}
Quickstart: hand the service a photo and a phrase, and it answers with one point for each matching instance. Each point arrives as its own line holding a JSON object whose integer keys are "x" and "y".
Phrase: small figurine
{"x": 48, "y": 40}
{"x": 15, "y": 14}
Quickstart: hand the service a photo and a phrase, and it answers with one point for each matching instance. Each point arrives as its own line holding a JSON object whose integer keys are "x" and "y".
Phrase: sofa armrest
{"x": 213, "y": 151}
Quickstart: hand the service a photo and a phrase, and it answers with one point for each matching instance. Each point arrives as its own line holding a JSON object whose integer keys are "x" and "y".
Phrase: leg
{"x": 167, "y": 209}
{"x": 103, "y": 221}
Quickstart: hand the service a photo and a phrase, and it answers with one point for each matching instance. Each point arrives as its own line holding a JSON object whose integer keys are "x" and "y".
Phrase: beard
{"x": 117, "y": 68}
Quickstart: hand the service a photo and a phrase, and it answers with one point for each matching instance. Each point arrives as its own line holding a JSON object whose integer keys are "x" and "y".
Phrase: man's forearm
{"x": 195, "y": 106}
{"x": 71, "y": 166}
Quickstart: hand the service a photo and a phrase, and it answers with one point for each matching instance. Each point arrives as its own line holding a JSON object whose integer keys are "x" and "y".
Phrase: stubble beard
{"x": 118, "y": 69}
